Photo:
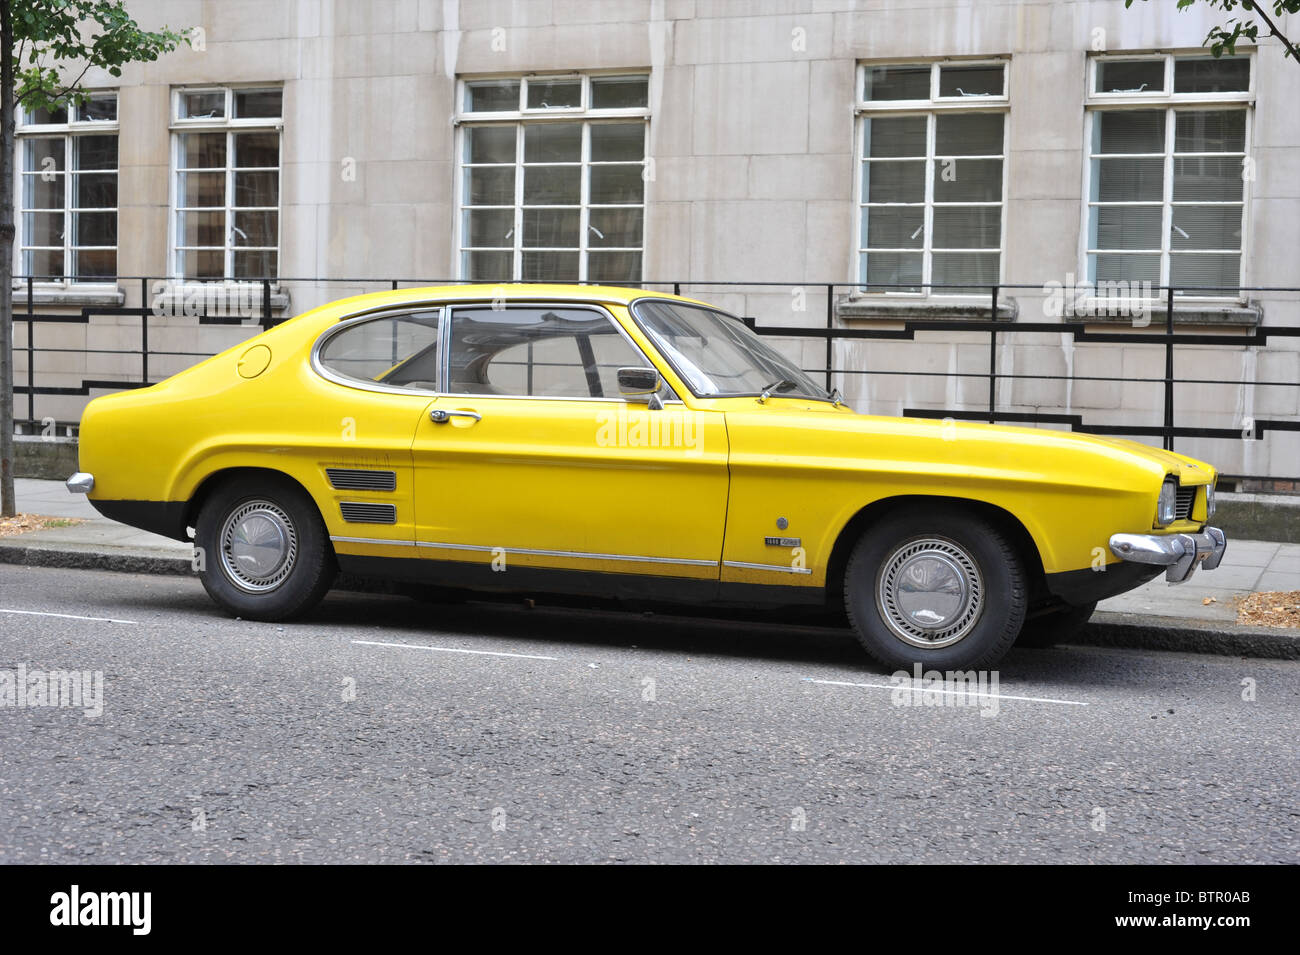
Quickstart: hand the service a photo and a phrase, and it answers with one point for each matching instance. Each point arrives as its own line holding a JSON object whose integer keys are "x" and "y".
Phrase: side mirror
{"x": 639, "y": 384}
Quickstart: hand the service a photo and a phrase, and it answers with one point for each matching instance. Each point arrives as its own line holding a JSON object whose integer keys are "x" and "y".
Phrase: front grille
{"x": 356, "y": 479}
{"x": 1183, "y": 506}
{"x": 357, "y": 512}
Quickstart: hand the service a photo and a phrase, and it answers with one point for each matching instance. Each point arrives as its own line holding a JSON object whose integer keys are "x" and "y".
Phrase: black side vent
{"x": 1183, "y": 503}
{"x": 355, "y": 479}
{"x": 356, "y": 512}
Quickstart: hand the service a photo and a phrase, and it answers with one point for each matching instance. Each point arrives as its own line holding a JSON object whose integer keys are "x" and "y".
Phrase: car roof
{"x": 508, "y": 292}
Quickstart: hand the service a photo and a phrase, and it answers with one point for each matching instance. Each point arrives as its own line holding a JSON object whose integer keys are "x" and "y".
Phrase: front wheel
{"x": 264, "y": 549}
{"x": 941, "y": 588}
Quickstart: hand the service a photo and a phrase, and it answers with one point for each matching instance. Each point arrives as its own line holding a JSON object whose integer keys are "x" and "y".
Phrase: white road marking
{"x": 483, "y": 653}
{"x": 66, "y": 616}
{"x": 911, "y": 685}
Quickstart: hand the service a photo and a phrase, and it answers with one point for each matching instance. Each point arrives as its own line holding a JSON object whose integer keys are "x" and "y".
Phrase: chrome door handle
{"x": 439, "y": 416}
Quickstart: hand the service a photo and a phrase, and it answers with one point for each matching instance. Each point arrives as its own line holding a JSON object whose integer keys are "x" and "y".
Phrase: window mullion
{"x": 1167, "y": 212}
{"x": 584, "y": 197}
{"x": 228, "y": 257}
{"x": 69, "y": 266}
{"x": 517, "y": 256}
{"x": 927, "y": 234}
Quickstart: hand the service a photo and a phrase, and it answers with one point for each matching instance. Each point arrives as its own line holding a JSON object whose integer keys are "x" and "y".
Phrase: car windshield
{"x": 718, "y": 356}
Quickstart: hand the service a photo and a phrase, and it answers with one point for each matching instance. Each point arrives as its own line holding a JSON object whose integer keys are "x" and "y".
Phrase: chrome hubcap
{"x": 930, "y": 592}
{"x": 258, "y": 546}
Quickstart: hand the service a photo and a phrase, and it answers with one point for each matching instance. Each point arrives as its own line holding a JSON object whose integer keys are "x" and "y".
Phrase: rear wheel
{"x": 941, "y": 588}
{"x": 265, "y": 551}
{"x": 1056, "y": 626}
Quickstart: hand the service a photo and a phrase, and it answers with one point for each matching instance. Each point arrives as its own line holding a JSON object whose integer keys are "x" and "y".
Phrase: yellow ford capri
{"x": 615, "y": 442}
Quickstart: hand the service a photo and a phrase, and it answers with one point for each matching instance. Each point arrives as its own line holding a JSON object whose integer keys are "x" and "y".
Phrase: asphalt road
{"x": 579, "y": 736}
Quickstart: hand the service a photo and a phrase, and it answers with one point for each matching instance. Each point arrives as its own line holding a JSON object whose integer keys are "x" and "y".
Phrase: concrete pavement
{"x": 1199, "y": 614}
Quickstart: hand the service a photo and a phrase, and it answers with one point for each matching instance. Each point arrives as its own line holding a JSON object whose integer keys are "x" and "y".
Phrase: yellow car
{"x": 618, "y": 442}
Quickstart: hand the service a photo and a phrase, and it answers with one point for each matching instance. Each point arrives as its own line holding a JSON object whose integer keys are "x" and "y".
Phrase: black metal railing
{"x": 258, "y": 297}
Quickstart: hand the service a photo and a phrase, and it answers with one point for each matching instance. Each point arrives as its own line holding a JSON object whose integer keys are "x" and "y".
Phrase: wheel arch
{"x": 223, "y": 476}
{"x": 871, "y": 514}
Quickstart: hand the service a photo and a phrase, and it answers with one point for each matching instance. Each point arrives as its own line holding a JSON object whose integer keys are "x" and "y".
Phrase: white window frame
{"x": 231, "y": 126}
{"x": 930, "y": 108}
{"x": 1171, "y": 103}
{"x": 67, "y": 132}
{"x": 522, "y": 117}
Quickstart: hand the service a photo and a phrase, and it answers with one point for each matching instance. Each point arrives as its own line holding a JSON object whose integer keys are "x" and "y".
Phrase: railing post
{"x": 144, "y": 331}
{"x": 677, "y": 288}
{"x": 266, "y": 303}
{"x": 31, "y": 356}
{"x": 1169, "y": 370}
{"x": 830, "y": 326}
{"x": 993, "y": 358}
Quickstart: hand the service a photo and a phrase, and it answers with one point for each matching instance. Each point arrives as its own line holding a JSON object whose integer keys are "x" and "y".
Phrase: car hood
{"x": 841, "y": 431}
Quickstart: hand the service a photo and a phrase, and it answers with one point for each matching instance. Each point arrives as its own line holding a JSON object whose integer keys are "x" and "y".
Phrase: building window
{"x": 226, "y": 182}
{"x": 931, "y": 179}
{"x": 552, "y": 178}
{"x": 67, "y": 193}
{"x": 1166, "y": 178}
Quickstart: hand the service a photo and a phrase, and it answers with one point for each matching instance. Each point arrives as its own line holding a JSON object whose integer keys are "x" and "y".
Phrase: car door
{"x": 530, "y": 457}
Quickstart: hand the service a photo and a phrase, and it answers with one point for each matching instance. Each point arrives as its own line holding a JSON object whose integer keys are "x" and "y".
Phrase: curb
{"x": 1187, "y": 635}
{"x": 1105, "y": 629}
{"x": 69, "y": 557}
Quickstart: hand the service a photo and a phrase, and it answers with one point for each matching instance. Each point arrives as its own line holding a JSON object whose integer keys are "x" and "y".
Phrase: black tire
{"x": 282, "y": 515}
{"x": 969, "y": 617}
{"x": 1056, "y": 626}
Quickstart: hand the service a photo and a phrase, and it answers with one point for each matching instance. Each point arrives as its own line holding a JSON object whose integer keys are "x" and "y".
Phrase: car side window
{"x": 396, "y": 350}
{"x": 538, "y": 352}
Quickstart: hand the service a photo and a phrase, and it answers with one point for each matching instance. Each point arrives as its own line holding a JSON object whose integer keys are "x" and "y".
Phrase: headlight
{"x": 1209, "y": 501}
{"x": 1166, "y": 507}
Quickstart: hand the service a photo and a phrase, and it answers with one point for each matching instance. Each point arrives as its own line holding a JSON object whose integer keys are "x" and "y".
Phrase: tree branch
{"x": 18, "y": 99}
{"x": 1254, "y": 6}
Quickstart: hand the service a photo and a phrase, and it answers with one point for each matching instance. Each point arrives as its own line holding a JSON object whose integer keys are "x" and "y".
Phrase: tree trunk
{"x": 8, "y": 505}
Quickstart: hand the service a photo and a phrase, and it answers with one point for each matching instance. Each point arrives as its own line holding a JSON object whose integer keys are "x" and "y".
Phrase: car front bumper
{"x": 1181, "y": 553}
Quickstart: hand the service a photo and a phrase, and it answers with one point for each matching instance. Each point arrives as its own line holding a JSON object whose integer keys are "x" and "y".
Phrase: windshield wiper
{"x": 781, "y": 384}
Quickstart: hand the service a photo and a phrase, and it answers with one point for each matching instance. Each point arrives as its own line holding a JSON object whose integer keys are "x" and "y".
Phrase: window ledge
{"x": 1191, "y": 314}
{"x": 872, "y": 308}
{"x": 103, "y": 295}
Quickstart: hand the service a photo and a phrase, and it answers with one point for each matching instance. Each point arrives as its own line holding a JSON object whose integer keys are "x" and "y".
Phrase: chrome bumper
{"x": 80, "y": 483}
{"x": 1181, "y": 553}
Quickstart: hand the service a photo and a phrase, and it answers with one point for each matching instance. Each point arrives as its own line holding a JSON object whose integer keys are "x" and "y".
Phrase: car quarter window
{"x": 396, "y": 350}
{"x": 538, "y": 352}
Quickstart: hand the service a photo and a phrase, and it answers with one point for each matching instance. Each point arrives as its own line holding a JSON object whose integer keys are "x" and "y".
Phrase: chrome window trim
{"x": 583, "y": 306}
{"x": 353, "y": 321}
{"x": 631, "y": 311}
{"x": 445, "y": 310}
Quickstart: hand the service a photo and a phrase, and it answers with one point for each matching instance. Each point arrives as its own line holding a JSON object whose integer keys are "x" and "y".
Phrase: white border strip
{"x": 481, "y": 653}
{"x": 913, "y": 685}
{"x": 66, "y": 616}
